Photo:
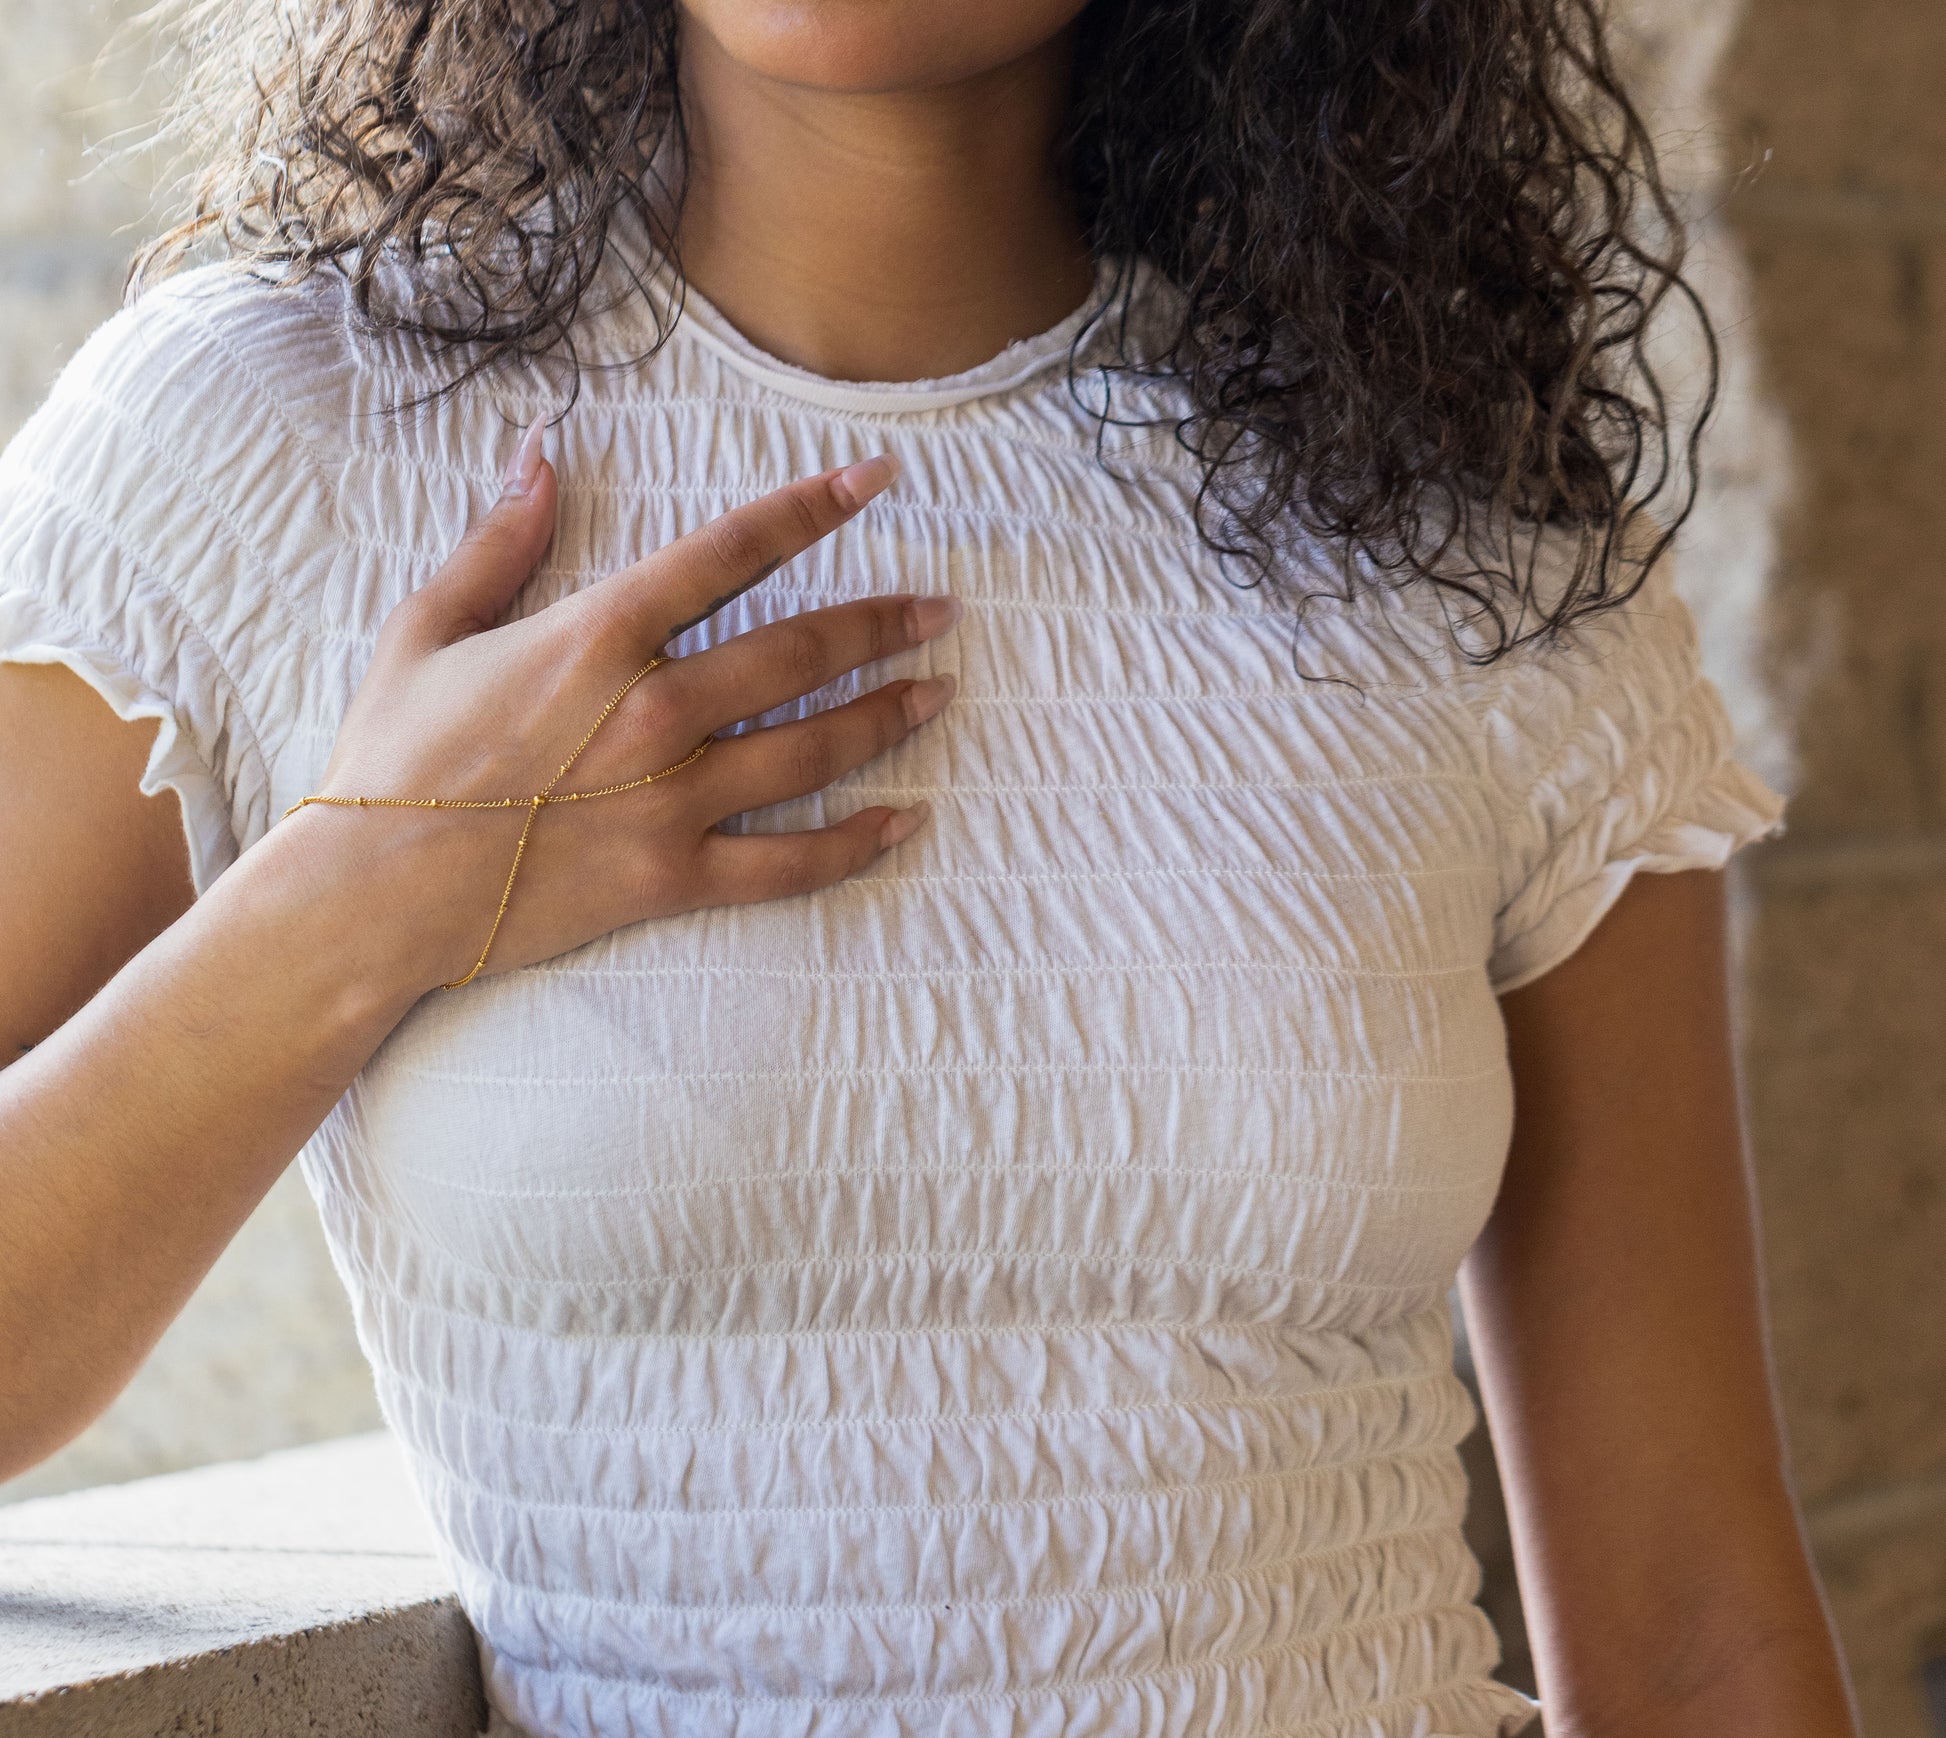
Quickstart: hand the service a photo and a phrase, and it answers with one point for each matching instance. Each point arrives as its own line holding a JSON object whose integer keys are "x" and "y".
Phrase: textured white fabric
{"x": 1003, "y": 1294}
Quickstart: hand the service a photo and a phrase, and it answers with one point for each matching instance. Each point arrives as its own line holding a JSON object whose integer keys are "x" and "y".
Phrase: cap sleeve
{"x": 1613, "y": 754}
{"x": 137, "y": 516}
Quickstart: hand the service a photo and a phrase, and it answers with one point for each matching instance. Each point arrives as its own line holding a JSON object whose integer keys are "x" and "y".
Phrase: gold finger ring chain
{"x": 533, "y": 805}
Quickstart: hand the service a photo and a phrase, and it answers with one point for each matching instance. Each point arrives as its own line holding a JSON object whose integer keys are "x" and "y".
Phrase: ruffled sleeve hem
{"x": 1730, "y": 808}
{"x": 33, "y": 632}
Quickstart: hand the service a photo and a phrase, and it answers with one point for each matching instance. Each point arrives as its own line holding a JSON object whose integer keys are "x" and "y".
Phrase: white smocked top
{"x": 1003, "y": 1296}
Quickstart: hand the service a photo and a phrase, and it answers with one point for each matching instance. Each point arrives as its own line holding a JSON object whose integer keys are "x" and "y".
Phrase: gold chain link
{"x": 533, "y": 805}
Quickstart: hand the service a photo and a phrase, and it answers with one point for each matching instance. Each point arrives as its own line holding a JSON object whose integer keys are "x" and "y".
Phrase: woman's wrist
{"x": 351, "y": 916}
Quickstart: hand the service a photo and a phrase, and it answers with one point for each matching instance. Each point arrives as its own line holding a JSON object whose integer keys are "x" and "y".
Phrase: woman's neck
{"x": 880, "y": 236}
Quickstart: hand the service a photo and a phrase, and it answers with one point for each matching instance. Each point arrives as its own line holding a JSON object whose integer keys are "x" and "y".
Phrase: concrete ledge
{"x": 299, "y": 1593}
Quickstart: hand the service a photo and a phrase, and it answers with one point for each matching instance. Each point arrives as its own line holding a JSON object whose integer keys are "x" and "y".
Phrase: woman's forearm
{"x": 140, "y": 1135}
{"x": 1667, "y": 1589}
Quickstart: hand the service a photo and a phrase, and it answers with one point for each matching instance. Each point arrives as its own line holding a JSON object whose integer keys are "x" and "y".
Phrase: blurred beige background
{"x": 1809, "y": 137}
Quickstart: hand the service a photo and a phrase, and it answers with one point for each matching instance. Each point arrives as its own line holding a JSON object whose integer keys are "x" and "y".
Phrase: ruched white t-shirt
{"x": 1002, "y": 1296}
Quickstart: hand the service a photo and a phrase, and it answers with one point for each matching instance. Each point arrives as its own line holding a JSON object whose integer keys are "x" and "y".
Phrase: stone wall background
{"x": 1810, "y": 140}
{"x": 1845, "y": 975}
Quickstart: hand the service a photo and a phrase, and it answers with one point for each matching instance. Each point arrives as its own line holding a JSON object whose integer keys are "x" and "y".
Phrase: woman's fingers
{"x": 750, "y": 868}
{"x": 694, "y": 577}
{"x": 782, "y": 660}
{"x": 496, "y": 557}
{"x": 793, "y": 760}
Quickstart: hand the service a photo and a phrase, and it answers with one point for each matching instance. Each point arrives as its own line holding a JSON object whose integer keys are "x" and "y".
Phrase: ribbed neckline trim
{"x": 704, "y": 324}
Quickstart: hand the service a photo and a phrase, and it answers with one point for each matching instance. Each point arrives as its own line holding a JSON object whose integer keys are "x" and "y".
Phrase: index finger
{"x": 691, "y": 579}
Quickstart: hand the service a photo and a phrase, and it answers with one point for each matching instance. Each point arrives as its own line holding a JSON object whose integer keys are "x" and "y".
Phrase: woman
{"x": 838, "y": 1274}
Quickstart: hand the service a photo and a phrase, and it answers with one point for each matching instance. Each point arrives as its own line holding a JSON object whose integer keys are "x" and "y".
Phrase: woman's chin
{"x": 878, "y": 46}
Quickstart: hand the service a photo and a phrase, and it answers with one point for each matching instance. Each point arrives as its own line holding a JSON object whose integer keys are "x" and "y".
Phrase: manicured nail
{"x": 928, "y": 699}
{"x": 525, "y": 465}
{"x": 857, "y": 484}
{"x": 903, "y": 825}
{"x": 934, "y": 615}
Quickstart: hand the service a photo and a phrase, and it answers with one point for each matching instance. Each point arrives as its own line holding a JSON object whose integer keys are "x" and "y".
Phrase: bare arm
{"x": 93, "y": 870}
{"x": 1614, "y": 1304}
{"x": 138, "y": 1136}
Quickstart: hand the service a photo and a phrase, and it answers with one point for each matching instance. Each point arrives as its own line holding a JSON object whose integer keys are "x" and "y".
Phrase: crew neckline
{"x": 701, "y": 320}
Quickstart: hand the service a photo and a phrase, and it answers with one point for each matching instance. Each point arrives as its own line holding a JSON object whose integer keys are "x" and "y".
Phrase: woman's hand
{"x": 455, "y": 707}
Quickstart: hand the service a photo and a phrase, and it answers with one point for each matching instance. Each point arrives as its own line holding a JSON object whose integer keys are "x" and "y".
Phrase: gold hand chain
{"x": 533, "y": 805}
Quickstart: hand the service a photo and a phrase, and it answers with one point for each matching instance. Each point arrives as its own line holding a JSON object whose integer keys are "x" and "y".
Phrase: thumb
{"x": 500, "y": 552}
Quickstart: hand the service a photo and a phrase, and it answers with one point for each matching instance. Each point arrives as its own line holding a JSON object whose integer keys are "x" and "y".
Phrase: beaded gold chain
{"x": 533, "y": 805}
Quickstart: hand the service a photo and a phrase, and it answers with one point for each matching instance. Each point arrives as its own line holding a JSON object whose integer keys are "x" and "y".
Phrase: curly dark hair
{"x": 1419, "y": 245}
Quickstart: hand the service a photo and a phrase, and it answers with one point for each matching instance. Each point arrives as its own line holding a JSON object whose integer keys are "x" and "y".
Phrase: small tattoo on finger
{"x": 757, "y": 578}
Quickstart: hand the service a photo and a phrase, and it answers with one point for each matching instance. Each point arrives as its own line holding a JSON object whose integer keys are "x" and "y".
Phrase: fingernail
{"x": 857, "y": 484}
{"x": 934, "y": 615}
{"x": 525, "y": 465}
{"x": 903, "y": 825}
{"x": 928, "y": 699}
